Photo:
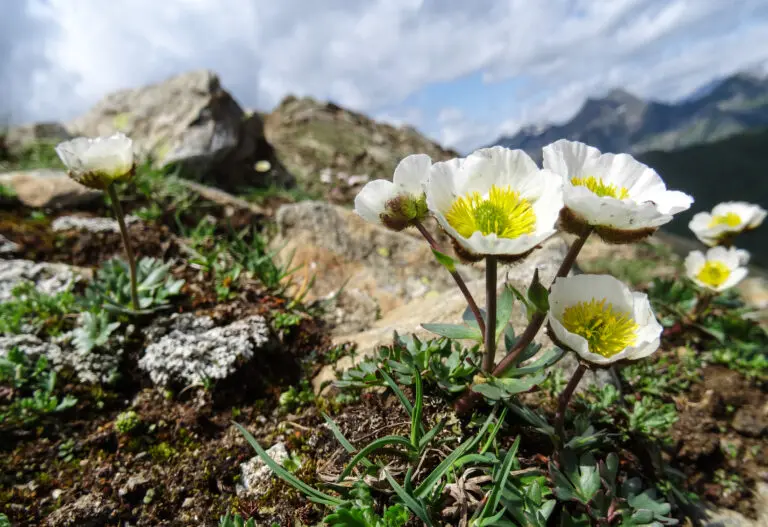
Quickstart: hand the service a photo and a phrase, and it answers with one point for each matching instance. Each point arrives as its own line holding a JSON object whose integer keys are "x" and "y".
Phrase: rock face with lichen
{"x": 189, "y": 350}
{"x": 189, "y": 119}
{"x": 335, "y": 151}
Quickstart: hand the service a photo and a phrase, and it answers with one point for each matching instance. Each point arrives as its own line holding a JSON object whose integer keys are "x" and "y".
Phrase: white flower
{"x": 726, "y": 220}
{"x": 496, "y": 201}
{"x": 97, "y": 162}
{"x": 620, "y": 197}
{"x": 399, "y": 202}
{"x": 599, "y": 318}
{"x": 719, "y": 269}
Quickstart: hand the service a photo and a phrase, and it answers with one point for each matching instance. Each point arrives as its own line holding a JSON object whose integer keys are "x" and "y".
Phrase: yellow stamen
{"x": 599, "y": 187}
{"x": 731, "y": 219}
{"x": 714, "y": 273}
{"x": 606, "y": 330}
{"x": 503, "y": 212}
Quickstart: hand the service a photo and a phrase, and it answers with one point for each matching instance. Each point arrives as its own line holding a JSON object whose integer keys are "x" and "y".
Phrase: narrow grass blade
{"x": 417, "y": 409}
{"x": 409, "y": 501}
{"x": 398, "y": 392}
{"x": 372, "y": 447}
{"x": 313, "y": 494}
{"x": 498, "y": 487}
{"x": 343, "y": 440}
{"x": 495, "y": 431}
{"x": 429, "y": 436}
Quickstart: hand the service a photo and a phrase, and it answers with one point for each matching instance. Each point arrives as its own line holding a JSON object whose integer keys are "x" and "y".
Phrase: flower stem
{"x": 126, "y": 242}
{"x": 565, "y": 398}
{"x": 456, "y": 277}
{"x": 491, "y": 265}
{"x": 465, "y": 403}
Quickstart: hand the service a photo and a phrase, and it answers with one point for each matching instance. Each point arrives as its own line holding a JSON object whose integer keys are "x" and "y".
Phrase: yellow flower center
{"x": 606, "y": 330}
{"x": 714, "y": 273}
{"x": 503, "y": 213}
{"x": 600, "y": 187}
{"x": 731, "y": 219}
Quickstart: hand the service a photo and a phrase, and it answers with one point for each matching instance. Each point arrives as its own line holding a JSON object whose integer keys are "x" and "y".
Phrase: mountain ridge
{"x": 622, "y": 122}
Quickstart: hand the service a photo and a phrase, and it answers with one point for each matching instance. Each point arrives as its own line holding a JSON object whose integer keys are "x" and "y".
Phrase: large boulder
{"x": 18, "y": 140}
{"x": 333, "y": 151}
{"x": 49, "y": 189}
{"x": 190, "y": 120}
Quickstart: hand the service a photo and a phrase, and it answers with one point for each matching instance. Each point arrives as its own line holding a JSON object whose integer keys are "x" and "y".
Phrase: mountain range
{"x": 622, "y": 122}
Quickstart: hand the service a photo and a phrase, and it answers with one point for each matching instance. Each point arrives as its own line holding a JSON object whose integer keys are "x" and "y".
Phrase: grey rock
{"x": 256, "y": 475}
{"x": 48, "y": 278}
{"x": 191, "y": 120}
{"x": 48, "y": 189}
{"x": 20, "y": 138}
{"x": 193, "y": 350}
{"x": 448, "y": 307}
{"x": 7, "y": 246}
{"x": 89, "y": 510}
{"x": 730, "y": 518}
{"x": 337, "y": 247}
{"x": 751, "y": 420}
{"x": 66, "y": 223}
{"x": 135, "y": 487}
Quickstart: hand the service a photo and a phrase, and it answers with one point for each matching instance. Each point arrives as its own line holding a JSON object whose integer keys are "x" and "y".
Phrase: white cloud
{"x": 60, "y": 56}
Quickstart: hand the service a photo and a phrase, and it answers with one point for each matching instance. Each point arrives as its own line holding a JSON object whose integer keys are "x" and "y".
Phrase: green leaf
{"x": 545, "y": 360}
{"x": 398, "y": 392}
{"x": 455, "y": 331}
{"x": 343, "y": 440}
{"x": 504, "y": 305}
{"x": 445, "y": 260}
{"x": 429, "y": 436}
{"x": 312, "y": 493}
{"x": 372, "y": 447}
{"x": 413, "y": 503}
{"x": 417, "y": 409}
{"x": 538, "y": 295}
{"x": 498, "y": 486}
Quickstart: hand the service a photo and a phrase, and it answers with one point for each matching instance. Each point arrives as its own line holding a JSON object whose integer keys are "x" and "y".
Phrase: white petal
{"x": 607, "y": 211}
{"x": 412, "y": 172}
{"x": 736, "y": 276}
{"x": 567, "y": 158}
{"x": 721, "y": 254}
{"x": 569, "y": 291}
{"x": 644, "y": 350}
{"x": 694, "y": 262}
{"x": 372, "y": 199}
{"x": 758, "y": 215}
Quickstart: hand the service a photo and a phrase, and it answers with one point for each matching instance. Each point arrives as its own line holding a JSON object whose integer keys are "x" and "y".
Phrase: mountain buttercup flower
{"x": 398, "y": 203}
{"x": 621, "y": 198}
{"x": 97, "y": 162}
{"x": 718, "y": 269}
{"x": 494, "y": 202}
{"x": 726, "y": 221}
{"x": 599, "y": 318}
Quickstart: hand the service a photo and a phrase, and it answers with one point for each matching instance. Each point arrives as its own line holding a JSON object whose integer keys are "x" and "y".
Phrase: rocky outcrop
{"x": 334, "y": 151}
{"x": 191, "y": 120}
{"x": 48, "y": 189}
{"x": 19, "y": 139}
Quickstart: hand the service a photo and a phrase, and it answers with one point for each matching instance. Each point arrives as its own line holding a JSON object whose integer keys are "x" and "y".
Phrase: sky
{"x": 461, "y": 71}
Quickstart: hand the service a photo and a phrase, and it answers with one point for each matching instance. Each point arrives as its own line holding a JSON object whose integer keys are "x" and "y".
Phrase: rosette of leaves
{"x": 593, "y": 489}
{"x": 111, "y": 290}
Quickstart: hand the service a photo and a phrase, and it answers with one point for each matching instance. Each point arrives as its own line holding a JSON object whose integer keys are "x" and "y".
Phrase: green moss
{"x": 162, "y": 452}
{"x": 126, "y": 422}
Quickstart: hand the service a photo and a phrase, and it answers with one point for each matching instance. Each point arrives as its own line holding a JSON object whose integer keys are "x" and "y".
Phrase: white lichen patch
{"x": 193, "y": 351}
{"x": 67, "y": 223}
{"x": 48, "y": 278}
